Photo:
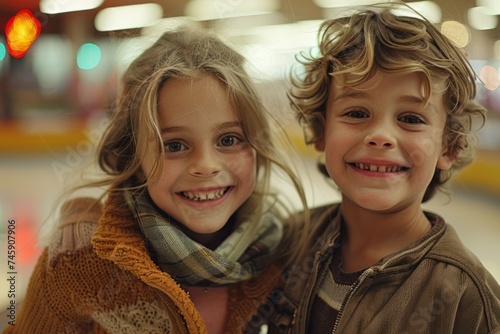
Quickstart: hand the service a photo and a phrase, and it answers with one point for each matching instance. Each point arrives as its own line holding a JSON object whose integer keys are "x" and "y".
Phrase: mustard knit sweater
{"x": 98, "y": 277}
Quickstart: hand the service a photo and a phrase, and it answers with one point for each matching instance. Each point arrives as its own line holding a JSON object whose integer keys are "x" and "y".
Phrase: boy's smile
{"x": 382, "y": 142}
{"x": 378, "y": 168}
{"x": 210, "y": 168}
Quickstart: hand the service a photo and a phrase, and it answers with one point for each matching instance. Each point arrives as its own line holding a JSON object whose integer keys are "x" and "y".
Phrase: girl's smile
{"x": 203, "y": 195}
{"x": 205, "y": 200}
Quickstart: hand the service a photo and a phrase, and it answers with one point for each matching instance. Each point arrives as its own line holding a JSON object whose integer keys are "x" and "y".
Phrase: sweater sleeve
{"x": 55, "y": 301}
{"x": 45, "y": 306}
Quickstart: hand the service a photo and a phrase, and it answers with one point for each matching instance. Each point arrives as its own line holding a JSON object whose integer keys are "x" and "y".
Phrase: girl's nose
{"x": 205, "y": 163}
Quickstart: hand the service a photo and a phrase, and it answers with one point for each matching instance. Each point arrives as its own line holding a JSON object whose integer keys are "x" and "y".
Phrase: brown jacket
{"x": 434, "y": 286}
{"x": 98, "y": 277}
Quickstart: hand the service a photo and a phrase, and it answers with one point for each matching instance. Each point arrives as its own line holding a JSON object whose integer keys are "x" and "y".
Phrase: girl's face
{"x": 210, "y": 168}
{"x": 382, "y": 143}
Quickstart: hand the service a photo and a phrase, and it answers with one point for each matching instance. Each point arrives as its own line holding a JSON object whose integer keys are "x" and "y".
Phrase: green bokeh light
{"x": 3, "y": 51}
{"x": 88, "y": 56}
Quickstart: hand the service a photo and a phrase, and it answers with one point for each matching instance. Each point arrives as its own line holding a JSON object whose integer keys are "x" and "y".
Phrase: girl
{"x": 186, "y": 237}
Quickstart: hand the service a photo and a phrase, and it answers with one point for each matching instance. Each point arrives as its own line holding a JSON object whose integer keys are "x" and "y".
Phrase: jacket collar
{"x": 415, "y": 251}
{"x": 393, "y": 262}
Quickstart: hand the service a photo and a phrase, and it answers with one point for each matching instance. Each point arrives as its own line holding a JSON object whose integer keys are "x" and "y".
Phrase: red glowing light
{"x": 21, "y": 31}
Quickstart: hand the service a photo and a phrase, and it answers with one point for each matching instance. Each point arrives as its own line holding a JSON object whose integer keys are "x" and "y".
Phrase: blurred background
{"x": 60, "y": 61}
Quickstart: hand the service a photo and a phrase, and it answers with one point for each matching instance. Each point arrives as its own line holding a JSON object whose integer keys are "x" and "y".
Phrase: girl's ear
{"x": 319, "y": 144}
{"x": 446, "y": 160}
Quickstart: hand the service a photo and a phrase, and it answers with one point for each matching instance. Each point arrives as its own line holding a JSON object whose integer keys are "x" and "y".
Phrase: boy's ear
{"x": 319, "y": 144}
{"x": 446, "y": 160}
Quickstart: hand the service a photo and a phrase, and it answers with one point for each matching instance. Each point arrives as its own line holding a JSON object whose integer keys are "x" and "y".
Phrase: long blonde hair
{"x": 355, "y": 46}
{"x": 188, "y": 53}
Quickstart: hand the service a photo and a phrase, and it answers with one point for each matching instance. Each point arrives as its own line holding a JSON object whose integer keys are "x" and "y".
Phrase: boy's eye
{"x": 229, "y": 140}
{"x": 411, "y": 119}
{"x": 356, "y": 113}
{"x": 174, "y": 146}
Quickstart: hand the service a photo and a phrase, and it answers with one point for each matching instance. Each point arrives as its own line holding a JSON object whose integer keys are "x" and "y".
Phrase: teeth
{"x": 204, "y": 196}
{"x": 379, "y": 169}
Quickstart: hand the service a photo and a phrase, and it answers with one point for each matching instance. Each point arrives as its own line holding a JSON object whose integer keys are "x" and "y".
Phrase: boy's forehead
{"x": 351, "y": 87}
{"x": 348, "y": 82}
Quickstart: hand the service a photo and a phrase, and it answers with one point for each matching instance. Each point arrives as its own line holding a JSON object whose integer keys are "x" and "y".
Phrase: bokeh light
{"x": 456, "y": 32}
{"x": 88, "y": 56}
{"x": 3, "y": 51}
{"x": 52, "y": 63}
{"x": 21, "y": 31}
{"x": 489, "y": 76}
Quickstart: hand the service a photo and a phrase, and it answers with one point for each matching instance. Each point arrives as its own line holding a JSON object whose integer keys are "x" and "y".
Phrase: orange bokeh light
{"x": 489, "y": 76}
{"x": 21, "y": 31}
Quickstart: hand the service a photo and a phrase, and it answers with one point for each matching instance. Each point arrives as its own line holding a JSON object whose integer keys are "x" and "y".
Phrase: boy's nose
{"x": 380, "y": 138}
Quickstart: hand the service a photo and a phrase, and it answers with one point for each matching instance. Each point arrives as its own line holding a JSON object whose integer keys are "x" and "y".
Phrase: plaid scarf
{"x": 242, "y": 255}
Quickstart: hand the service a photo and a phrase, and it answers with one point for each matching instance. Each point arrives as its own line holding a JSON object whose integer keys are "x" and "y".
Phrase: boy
{"x": 390, "y": 101}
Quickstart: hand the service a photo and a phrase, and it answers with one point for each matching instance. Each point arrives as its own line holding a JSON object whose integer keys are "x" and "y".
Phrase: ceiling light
{"x": 343, "y": 3}
{"x": 428, "y": 9}
{"x": 128, "y": 17}
{"x": 58, "y": 6}
{"x": 203, "y": 10}
{"x": 480, "y": 18}
{"x": 492, "y": 5}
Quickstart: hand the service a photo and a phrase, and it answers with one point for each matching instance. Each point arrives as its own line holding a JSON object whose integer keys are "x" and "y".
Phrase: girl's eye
{"x": 174, "y": 146}
{"x": 229, "y": 140}
{"x": 356, "y": 113}
{"x": 411, "y": 119}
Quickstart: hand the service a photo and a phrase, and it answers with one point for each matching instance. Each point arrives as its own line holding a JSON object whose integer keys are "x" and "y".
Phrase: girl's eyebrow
{"x": 172, "y": 129}
{"x": 225, "y": 125}
{"x": 222, "y": 126}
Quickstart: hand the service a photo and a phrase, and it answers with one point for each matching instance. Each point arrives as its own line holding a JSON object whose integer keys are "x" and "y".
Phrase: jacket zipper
{"x": 308, "y": 292}
{"x": 353, "y": 289}
{"x": 361, "y": 279}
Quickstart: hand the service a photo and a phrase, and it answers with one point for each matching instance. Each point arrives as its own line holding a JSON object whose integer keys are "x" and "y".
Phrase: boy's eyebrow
{"x": 353, "y": 94}
{"x": 220, "y": 127}
{"x": 350, "y": 94}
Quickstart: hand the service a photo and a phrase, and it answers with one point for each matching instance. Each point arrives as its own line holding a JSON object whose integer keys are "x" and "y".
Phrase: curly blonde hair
{"x": 356, "y": 46}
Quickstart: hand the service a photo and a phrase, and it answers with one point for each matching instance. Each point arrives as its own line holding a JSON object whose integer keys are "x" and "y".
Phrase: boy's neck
{"x": 369, "y": 236}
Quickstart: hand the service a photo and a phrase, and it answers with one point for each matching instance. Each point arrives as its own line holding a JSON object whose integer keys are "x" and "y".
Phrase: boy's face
{"x": 210, "y": 168}
{"x": 382, "y": 143}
